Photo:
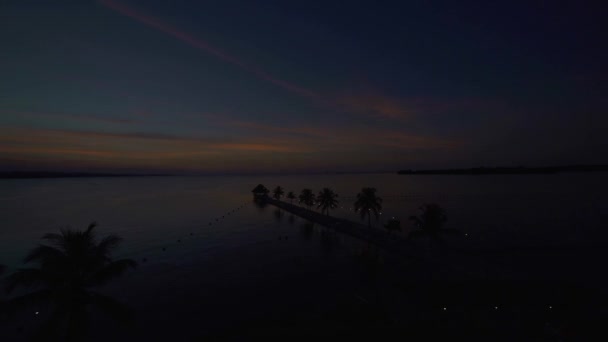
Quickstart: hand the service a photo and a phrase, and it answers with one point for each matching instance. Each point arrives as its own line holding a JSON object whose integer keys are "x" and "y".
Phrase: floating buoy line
{"x": 192, "y": 234}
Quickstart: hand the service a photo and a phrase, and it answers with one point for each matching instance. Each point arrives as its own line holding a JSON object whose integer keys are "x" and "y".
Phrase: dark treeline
{"x": 509, "y": 170}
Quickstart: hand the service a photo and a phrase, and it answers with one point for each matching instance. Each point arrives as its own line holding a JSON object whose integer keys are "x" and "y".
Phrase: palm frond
{"x": 44, "y": 254}
{"x": 109, "y": 243}
{"x": 26, "y": 277}
{"x": 110, "y": 271}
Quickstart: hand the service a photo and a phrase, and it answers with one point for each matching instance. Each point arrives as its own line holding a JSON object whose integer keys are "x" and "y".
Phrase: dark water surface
{"x": 264, "y": 271}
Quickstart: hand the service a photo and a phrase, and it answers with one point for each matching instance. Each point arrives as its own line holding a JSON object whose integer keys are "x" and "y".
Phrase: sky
{"x": 300, "y": 86}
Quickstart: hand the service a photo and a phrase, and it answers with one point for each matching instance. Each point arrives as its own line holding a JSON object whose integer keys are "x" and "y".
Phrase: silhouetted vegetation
{"x": 277, "y": 193}
{"x": 393, "y": 225}
{"x": 430, "y": 222}
{"x": 291, "y": 196}
{"x": 72, "y": 264}
{"x": 327, "y": 200}
{"x": 307, "y": 198}
{"x": 367, "y": 203}
{"x": 260, "y": 191}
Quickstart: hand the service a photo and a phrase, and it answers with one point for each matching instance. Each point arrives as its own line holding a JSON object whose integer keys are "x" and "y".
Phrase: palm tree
{"x": 291, "y": 196}
{"x": 393, "y": 225}
{"x": 430, "y": 222}
{"x": 327, "y": 200}
{"x": 368, "y": 203}
{"x": 260, "y": 191}
{"x": 307, "y": 197}
{"x": 277, "y": 193}
{"x": 69, "y": 266}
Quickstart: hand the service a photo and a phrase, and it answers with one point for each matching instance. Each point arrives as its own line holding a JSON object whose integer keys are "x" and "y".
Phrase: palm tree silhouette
{"x": 73, "y": 263}
{"x": 291, "y": 196}
{"x": 327, "y": 200}
{"x": 368, "y": 203}
{"x": 277, "y": 193}
{"x": 393, "y": 225}
{"x": 307, "y": 197}
{"x": 260, "y": 191}
{"x": 430, "y": 222}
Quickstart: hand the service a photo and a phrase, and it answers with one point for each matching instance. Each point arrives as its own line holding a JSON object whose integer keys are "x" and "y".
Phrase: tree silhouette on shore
{"x": 260, "y": 191}
{"x": 291, "y": 196}
{"x": 72, "y": 264}
{"x": 307, "y": 198}
{"x": 277, "y": 193}
{"x": 430, "y": 222}
{"x": 367, "y": 203}
{"x": 393, "y": 225}
{"x": 327, "y": 200}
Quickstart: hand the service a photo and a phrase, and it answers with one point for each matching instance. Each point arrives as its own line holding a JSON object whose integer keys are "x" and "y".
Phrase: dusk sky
{"x": 300, "y": 86}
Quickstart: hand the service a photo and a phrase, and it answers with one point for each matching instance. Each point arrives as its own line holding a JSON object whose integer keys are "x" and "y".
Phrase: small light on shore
{"x": 466, "y": 234}
{"x": 550, "y": 307}
{"x": 496, "y": 308}
{"x": 444, "y": 308}
{"x": 37, "y": 312}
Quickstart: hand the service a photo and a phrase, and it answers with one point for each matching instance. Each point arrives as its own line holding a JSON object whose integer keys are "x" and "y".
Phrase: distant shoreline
{"x": 40, "y": 174}
{"x": 509, "y": 170}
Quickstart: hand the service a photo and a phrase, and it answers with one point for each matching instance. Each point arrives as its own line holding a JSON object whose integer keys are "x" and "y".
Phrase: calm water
{"x": 154, "y": 212}
{"x": 252, "y": 260}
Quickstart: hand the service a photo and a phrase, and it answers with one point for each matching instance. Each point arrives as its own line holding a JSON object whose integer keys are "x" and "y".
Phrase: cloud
{"x": 70, "y": 117}
{"x": 205, "y": 46}
{"x": 376, "y": 105}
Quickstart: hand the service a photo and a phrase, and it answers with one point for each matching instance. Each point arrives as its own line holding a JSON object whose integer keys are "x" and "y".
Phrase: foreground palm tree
{"x": 307, "y": 197}
{"x": 69, "y": 266}
{"x": 277, "y": 193}
{"x": 430, "y": 222}
{"x": 368, "y": 203}
{"x": 327, "y": 200}
{"x": 291, "y": 196}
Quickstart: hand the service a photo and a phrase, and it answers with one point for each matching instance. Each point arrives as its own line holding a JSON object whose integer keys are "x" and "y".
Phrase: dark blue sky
{"x": 255, "y": 86}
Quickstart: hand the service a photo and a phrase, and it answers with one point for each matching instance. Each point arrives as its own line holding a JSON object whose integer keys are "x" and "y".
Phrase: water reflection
{"x": 329, "y": 241}
{"x": 278, "y": 214}
{"x": 260, "y": 204}
{"x": 307, "y": 230}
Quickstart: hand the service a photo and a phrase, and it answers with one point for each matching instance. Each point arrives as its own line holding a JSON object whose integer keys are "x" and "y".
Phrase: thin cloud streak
{"x": 202, "y": 45}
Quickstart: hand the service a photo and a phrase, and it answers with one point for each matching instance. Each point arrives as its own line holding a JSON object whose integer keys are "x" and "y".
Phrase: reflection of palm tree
{"x": 307, "y": 197}
{"x": 327, "y": 200}
{"x": 307, "y": 230}
{"x": 278, "y": 215}
{"x": 430, "y": 222}
{"x": 368, "y": 203}
{"x": 291, "y": 196}
{"x": 74, "y": 262}
{"x": 277, "y": 193}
